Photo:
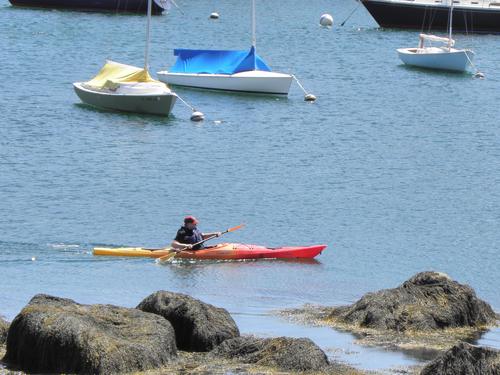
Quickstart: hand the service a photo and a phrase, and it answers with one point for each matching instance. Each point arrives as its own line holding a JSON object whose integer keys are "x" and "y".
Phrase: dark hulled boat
{"x": 129, "y": 6}
{"x": 472, "y": 16}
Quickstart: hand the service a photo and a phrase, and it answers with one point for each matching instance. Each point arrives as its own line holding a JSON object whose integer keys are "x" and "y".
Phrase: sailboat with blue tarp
{"x": 241, "y": 70}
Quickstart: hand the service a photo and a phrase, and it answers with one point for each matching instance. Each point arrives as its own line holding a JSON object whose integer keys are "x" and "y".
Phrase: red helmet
{"x": 190, "y": 219}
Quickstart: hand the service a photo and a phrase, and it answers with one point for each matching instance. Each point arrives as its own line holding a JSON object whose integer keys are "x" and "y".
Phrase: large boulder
{"x": 58, "y": 335}
{"x": 198, "y": 326}
{"x": 4, "y": 327}
{"x": 284, "y": 353}
{"x": 426, "y": 302}
{"x": 465, "y": 359}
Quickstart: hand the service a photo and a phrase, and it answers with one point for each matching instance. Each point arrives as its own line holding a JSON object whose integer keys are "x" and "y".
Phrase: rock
{"x": 198, "y": 326}
{"x": 426, "y": 302}
{"x": 4, "y": 327}
{"x": 284, "y": 353}
{"x": 465, "y": 359}
{"x": 58, "y": 335}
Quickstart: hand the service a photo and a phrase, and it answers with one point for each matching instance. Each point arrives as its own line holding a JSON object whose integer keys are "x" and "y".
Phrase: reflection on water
{"x": 252, "y": 291}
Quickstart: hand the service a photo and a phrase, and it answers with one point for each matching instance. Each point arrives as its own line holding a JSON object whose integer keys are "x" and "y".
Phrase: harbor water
{"x": 396, "y": 169}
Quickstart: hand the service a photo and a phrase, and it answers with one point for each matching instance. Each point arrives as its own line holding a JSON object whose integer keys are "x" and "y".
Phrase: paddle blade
{"x": 166, "y": 258}
{"x": 235, "y": 228}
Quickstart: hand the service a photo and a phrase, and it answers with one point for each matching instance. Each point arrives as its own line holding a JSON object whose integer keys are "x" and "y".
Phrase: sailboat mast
{"x": 450, "y": 24}
{"x": 148, "y": 36}
{"x": 254, "y": 37}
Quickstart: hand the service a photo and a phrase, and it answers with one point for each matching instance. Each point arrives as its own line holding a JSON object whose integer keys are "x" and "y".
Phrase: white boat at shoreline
{"x": 229, "y": 70}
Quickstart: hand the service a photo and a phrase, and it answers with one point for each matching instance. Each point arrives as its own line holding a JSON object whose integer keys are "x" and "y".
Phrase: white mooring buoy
{"x": 326, "y": 20}
{"x": 309, "y": 98}
{"x": 197, "y": 116}
{"x": 214, "y": 16}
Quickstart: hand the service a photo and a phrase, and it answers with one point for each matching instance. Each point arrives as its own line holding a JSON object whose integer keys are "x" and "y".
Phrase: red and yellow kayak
{"x": 224, "y": 251}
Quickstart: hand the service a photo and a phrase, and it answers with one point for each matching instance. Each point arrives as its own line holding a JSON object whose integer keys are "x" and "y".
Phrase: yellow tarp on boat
{"x": 113, "y": 73}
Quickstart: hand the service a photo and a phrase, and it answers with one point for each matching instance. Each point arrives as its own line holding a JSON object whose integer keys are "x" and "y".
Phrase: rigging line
{"x": 195, "y": 115}
{"x": 350, "y": 14}
{"x": 478, "y": 73}
{"x": 467, "y": 35}
{"x": 432, "y": 15}
{"x": 423, "y": 22}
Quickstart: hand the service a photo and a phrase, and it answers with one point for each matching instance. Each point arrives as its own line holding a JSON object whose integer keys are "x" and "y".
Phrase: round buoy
{"x": 310, "y": 98}
{"x": 326, "y": 20}
{"x": 214, "y": 16}
{"x": 197, "y": 116}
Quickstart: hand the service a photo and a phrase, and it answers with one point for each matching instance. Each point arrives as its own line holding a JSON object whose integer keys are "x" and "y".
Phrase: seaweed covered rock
{"x": 198, "y": 326}
{"x": 284, "y": 353}
{"x": 465, "y": 359}
{"x": 428, "y": 301}
{"x": 58, "y": 335}
{"x": 4, "y": 327}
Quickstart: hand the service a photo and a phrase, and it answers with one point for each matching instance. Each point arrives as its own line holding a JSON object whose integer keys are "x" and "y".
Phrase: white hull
{"x": 155, "y": 102}
{"x": 437, "y": 58}
{"x": 256, "y": 81}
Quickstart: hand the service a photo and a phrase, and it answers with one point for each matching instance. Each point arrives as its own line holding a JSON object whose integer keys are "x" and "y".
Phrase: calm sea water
{"x": 396, "y": 169}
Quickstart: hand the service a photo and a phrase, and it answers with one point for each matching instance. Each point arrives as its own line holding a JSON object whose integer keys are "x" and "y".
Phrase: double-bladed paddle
{"x": 173, "y": 252}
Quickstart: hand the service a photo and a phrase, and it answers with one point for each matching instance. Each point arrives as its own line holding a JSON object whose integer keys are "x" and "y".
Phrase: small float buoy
{"x": 214, "y": 16}
{"x": 479, "y": 75}
{"x": 326, "y": 20}
{"x": 310, "y": 98}
{"x": 197, "y": 116}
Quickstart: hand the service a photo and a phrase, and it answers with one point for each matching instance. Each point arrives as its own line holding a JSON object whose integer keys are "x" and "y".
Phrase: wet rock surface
{"x": 427, "y": 301}
{"x": 283, "y": 353}
{"x": 58, "y": 335}
{"x": 198, "y": 326}
{"x": 430, "y": 310}
{"x": 465, "y": 359}
{"x": 204, "y": 363}
{"x": 4, "y": 327}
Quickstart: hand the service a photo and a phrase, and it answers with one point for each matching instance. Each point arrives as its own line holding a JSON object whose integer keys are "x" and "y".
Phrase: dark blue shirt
{"x": 190, "y": 236}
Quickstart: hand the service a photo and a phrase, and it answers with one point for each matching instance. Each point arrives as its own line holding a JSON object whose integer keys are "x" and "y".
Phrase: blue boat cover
{"x": 217, "y": 62}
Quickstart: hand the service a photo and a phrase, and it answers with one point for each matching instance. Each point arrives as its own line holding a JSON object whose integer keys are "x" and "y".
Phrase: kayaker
{"x": 189, "y": 234}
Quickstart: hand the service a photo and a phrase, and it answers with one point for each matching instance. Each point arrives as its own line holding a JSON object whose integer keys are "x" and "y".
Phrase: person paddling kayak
{"x": 189, "y": 234}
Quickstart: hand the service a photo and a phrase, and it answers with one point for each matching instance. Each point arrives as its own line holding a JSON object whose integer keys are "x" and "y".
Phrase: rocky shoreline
{"x": 175, "y": 333}
{"x": 429, "y": 311}
{"x": 166, "y": 333}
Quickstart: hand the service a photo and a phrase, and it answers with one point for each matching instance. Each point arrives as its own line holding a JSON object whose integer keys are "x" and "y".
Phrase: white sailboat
{"x": 444, "y": 57}
{"x": 242, "y": 71}
{"x": 128, "y": 88}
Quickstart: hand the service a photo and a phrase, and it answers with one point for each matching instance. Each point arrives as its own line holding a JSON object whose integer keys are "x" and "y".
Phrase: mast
{"x": 148, "y": 36}
{"x": 450, "y": 24}
{"x": 254, "y": 37}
